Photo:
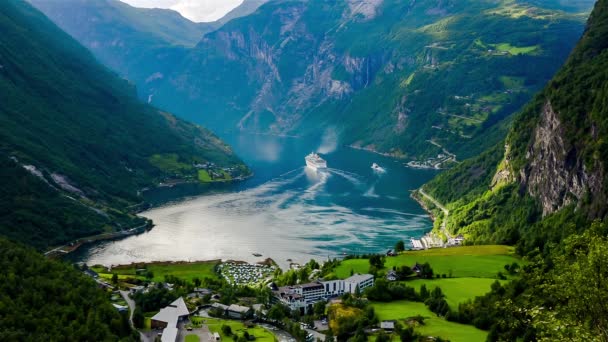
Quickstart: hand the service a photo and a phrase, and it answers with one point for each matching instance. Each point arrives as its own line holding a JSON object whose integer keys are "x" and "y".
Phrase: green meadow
{"x": 238, "y": 328}
{"x": 456, "y": 290}
{"x": 466, "y": 261}
{"x": 183, "y": 270}
{"x": 433, "y": 325}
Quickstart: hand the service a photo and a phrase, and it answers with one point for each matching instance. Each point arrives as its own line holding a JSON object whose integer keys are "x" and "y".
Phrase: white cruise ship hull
{"x": 316, "y": 166}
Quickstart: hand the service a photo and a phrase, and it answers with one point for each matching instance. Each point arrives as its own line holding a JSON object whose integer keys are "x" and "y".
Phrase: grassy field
{"x": 183, "y": 270}
{"x": 514, "y": 50}
{"x": 203, "y": 176}
{"x": 433, "y": 325}
{"x": 456, "y": 290}
{"x": 215, "y": 325}
{"x": 192, "y": 338}
{"x": 467, "y": 261}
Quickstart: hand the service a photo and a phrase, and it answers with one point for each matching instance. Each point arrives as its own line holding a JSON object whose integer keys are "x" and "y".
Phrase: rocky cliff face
{"x": 409, "y": 78}
{"x": 555, "y": 173}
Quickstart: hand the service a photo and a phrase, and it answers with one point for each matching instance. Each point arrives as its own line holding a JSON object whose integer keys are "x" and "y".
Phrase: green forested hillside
{"x": 412, "y": 78}
{"x": 43, "y": 300}
{"x": 552, "y": 168}
{"x": 544, "y": 189}
{"x": 75, "y": 139}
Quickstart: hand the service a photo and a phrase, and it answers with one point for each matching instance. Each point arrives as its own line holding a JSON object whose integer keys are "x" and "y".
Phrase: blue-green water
{"x": 286, "y": 211}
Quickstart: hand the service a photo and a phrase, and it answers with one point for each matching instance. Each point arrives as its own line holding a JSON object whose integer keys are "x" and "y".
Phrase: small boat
{"x": 378, "y": 168}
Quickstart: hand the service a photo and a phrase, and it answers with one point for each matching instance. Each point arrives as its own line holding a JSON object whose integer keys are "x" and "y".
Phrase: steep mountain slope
{"x": 545, "y": 189}
{"x": 395, "y": 76}
{"x": 45, "y": 300}
{"x": 242, "y": 10}
{"x": 122, "y": 36}
{"x": 76, "y": 144}
{"x": 548, "y": 179}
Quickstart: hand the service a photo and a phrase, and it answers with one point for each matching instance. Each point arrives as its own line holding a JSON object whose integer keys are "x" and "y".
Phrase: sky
{"x": 195, "y": 10}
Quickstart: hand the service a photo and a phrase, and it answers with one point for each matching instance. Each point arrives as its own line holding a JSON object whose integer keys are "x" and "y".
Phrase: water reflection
{"x": 287, "y": 212}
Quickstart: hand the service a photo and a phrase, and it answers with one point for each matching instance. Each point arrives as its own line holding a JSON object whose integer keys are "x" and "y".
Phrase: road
{"x": 282, "y": 335}
{"x": 446, "y": 212}
{"x": 131, "y": 304}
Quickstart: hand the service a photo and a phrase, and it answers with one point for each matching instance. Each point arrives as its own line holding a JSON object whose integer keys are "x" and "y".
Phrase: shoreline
{"x": 266, "y": 261}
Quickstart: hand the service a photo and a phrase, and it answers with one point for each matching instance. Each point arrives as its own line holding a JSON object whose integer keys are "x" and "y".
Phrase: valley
{"x": 154, "y": 185}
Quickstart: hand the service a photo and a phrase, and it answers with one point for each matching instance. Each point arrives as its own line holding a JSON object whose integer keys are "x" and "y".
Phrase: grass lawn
{"x": 514, "y": 50}
{"x": 192, "y": 338}
{"x": 456, "y": 290}
{"x": 182, "y": 270}
{"x": 434, "y": 326}
{"x": 215, "y": 325}
{"x": 467, "y": 261}
{"x": 203, "y": 176}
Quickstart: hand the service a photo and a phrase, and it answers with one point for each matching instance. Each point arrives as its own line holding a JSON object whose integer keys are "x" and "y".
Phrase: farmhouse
{"x": 392, "y": 276}
{"x": 387, "y": 325}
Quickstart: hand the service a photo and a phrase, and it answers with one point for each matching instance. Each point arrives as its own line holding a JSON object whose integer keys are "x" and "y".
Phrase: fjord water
{"x": 286, "y": 211}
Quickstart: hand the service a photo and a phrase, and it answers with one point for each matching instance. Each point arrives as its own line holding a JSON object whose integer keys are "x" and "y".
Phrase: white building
{"x": 304, "y": 295}
{"x": 167, "y": 319}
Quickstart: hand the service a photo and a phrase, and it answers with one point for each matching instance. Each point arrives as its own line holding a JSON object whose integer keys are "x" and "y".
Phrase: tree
{"x": 357, "y": 292}
{"x": 318, "y": 308}
{"x": 313, "y": 264}
{"x": 404, "y": 272}
{"x": 197, "y": 281}
{"x": 407, "y": 334}
{"x": 226, "y": 329}
{"x": 424, "y": 293}
{"x": 149, "y": 274}
{"x": 399, "y": 246}
{"x": 426, "y": 272}
{"x": 377, "y": 261}
{"x": 382, "y": 337}
{"x": 278, "y": 312}
{"x": 138, "y": 318}
{"x": 115, "y": 278}
{"x": 329, "y": 336}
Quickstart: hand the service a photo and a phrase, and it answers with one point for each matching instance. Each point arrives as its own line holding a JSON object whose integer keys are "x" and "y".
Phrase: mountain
{"x": 122, "y": 36}
{"x": 409, "y": 78}
{"x": 544, "y": 189}
{"x": 244, "y": 9}
{"x": 49, "y": 301}
{"x": 76, "y": 145}
{"x": 547, "y": 180}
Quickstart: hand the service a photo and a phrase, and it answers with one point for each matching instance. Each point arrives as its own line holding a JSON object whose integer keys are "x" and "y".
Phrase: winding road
{"x": 446, "y": 212}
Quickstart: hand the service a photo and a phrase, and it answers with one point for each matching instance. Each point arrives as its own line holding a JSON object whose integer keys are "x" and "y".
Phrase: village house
{"x": 239, "y": 312}
{"x": 387, "y": 325}
{"x": 392, "y": 276}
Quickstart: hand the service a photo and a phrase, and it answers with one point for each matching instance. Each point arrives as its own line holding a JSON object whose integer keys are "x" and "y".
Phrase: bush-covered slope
{"x": 44, "y": 300}
{"x": 397, "y": 76}
{"x": 70, "y": 125}
{"x": 550, "y": 180}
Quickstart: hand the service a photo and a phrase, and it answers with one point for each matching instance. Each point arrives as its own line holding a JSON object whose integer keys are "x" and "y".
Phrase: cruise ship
{"x": 315, "y": 162}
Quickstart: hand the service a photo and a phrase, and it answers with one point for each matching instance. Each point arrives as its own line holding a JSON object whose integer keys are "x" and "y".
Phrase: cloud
{"x": 195, "y": 10}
